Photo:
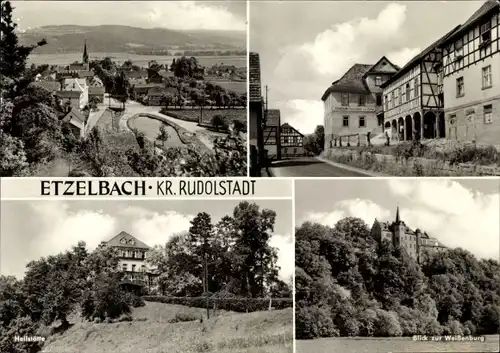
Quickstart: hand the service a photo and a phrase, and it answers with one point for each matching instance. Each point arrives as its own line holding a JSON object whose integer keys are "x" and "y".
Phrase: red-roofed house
{"x": 352, "y": 102}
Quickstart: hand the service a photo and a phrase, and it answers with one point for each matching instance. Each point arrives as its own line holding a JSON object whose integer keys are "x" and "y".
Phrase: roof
{"x": 156, "y": 91}
{"x": 484, "y": 10}
{"x": 254, "y": 78}
{"x": 130, "y": 241}
{"x": 291, "y": 127}
{"x": 416, "y": 59}
{"x": 96, "y": 90}
{"x": 165, "y": 73}
{"x": 49, "y": 85}
{"x": 68, "y": 94}
{"x": 374, "y": 66}
{"x": 74, "y": 113}
{"x": 351, "y": 82}
{"x": 147, "y": 85}
{"x": 85, "y": 74}
{"x": 273, "y": 117}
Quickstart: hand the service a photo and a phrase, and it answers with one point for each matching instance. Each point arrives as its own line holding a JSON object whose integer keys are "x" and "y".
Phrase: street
{"x": 312, "y": 167}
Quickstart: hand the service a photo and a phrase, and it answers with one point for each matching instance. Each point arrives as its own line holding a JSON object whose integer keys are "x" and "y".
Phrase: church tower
{"x": 85, "y": 59}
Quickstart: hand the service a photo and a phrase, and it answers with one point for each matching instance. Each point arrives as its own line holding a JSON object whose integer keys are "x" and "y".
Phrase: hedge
{"x": 229, "y": 304}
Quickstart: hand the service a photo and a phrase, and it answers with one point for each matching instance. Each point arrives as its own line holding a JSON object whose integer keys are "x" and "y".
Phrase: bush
{"x": 105, "y": 300}
{"x": 453, "y": 327}
{"x": 185, "y": 317}
{"x": 219, "y": 122}
{"x": 313, "y": 322}
{"x": 134, "y": 300}
{"x": 387, "y": 324}
{"x": 22, "y": 326}
{"x": 366, "y": 320}
{"x": 240, "y": 305}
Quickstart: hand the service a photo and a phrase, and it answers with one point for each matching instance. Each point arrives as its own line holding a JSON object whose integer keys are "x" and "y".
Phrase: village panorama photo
{"x": 113, "y": 89}
{"x": 146, "y": 276}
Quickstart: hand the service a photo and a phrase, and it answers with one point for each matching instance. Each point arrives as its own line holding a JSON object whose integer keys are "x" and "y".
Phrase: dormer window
{"x": 123, "y": 241}
{"x": 486, "y": 32}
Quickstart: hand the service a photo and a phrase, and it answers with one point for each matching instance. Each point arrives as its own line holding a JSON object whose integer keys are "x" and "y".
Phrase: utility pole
{"x": 267, "y": 104}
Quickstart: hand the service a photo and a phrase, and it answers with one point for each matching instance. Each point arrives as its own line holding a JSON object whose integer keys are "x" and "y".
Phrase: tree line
{"x": 348, "y": 284}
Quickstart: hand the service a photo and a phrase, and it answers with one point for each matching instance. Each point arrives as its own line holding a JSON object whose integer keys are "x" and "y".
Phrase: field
{"x": 259, "y": 332}
{"x": 150, "y": 128}
{"x": 394, "y": 345}
{"x": 237, "y": 87}
{"x": 141, "y": 60}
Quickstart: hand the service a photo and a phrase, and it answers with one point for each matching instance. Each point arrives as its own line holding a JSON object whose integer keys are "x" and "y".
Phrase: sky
{"x": 458, "y": 212}
{"x": 305, "y": 46}
{"x": 32, "y": 229}
{"x": 181, "y": 15}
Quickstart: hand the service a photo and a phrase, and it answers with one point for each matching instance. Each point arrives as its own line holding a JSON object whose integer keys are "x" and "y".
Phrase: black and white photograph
{"x": 146, "y": 276}
{"x": 374, "y": 88}
{"x": 123, "y": 88}
{"x": 397, "y": 265}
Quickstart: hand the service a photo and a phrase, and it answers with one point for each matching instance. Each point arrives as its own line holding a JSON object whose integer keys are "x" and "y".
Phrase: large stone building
{"x": 413, "y": 97}
{"x": 352, "y": 103}
{"x": 471, "y": 82}
{"x": 415, "y": 242}
{"x": 132, "y": 261}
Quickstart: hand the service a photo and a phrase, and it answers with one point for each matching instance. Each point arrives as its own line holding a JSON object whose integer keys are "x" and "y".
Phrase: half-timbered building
{"x": 352, "y": 103}
{"x": 471, "y": 78}
{"x": 413, "y": 97}
{"x": 271, "y": 132}
{"x": 292, "y": 142}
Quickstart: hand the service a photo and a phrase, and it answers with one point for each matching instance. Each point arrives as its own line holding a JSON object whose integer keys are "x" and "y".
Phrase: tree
{"x": 12, "y": 156}
{"x": 218, "y": 122}
{"x": 200, "y": 234}
{"x": 121, "y": 88}
{"x": 163, "y": 135}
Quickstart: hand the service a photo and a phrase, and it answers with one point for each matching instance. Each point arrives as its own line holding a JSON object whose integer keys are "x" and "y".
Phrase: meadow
{"x": 141, "y": 60}
{"x": 239, "y": 87}
{"x": 395, "y": 345}
{"x": 153, "y": 330}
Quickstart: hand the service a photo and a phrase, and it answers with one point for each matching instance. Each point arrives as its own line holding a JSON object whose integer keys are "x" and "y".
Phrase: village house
{"x": 415, "y": 242}
{"x": 76, "y": 91}
{"x": 256, "y": 138}
{"x": 76, "y": 121}
{"x": 96, "y": 93}
{"x": 353, "y": 102}
{"x": 140, "y": 90}
{"x": 413, "y": 97}
{"x": 471, "y": 80}
{"x": 154, "y": 97}
{"x": 132, "y": 253}
{"x": 292, "y": 142}
{"x": 271, "y": 132}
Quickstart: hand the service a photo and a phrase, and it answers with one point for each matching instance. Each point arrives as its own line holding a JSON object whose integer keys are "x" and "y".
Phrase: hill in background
{"x": 118, "y": 39}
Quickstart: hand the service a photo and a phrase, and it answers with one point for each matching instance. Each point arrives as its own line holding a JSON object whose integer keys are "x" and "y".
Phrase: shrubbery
{"x": 229, "y": 304}
{"x": 313, "y": 322}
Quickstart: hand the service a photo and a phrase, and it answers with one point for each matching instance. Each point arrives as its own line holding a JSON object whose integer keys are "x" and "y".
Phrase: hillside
{"x": 118, "y": 39}
{"x": 258, "y": 332}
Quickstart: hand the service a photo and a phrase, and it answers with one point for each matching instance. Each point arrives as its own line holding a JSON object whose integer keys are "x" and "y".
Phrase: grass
{"x": 150, "y": 128}
{"x": 395, "y": 344}
{"x": 235, "y": 86}
{"x": 259, "y": 332}
{"x": 229, "y": 115}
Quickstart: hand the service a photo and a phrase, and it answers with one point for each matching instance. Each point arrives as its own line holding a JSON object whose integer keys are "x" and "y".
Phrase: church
{"x": 415, "y": 242}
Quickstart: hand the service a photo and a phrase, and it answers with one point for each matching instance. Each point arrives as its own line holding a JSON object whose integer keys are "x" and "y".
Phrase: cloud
{"x": 305, "y": 71}
{"x": 180, "y": 15}
{"x": 455, "y": 215}
{"x": 365, "y": 209}
{"x": 156, "y": 228}
{"x": 304, "y": 115}
{"x": 286, "y": 254}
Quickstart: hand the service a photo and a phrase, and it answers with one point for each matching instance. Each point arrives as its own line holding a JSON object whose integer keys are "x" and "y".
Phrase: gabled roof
{"x": 273, "y": 117}
{"x": 416, "y": 59}
{"x": 74, "y": 113}
{"x": 351, "y": 82}
{"x": 383, "y": 59}
{"x": 254, "y": 78}
{"x": 117, "y": 241}
{"x": 484, "y": 10}
{"x": 156, "y": 91}
{"x": 286, "y": 125}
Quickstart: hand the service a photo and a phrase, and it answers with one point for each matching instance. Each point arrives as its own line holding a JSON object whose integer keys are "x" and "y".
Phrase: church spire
{"x": 85, "y": 55}
{"x": 397, "y": 215}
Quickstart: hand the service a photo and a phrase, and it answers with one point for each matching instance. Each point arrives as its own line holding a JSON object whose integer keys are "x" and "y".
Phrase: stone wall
{"x": 466, "y": 169}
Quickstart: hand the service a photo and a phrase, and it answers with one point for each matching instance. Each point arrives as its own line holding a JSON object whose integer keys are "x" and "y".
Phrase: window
{"x": 361, "y": 121}
{"x": 486, "y": 32}
{"x": 408, "y": 92}
{"x": 460, "y": 87}
{"x": 362, "y": 99}
{"x": 379, "y": 100}
{"x": 133, "y": 268}
{"x": 378, "y": 81}
{"x": 488, "y": 111}
{"x": 345, "y": 99}
{"x": 345, "y": 121}
{"x": 400, "y": 93}
{"x": 417, "y": 93}
{"x": 386, "y": 102}
{"x": 393, "y": 99}
{"x": 124, "y": 267}
{"x": 459, "y": 49}
{"x": 487, "y": 77}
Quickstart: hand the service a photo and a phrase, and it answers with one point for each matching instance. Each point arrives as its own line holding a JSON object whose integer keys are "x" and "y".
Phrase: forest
{"x": 348, "y": 284}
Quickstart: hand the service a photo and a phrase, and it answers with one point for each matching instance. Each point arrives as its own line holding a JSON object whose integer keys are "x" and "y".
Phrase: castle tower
{"x": 398, "y": 229}
{"x": 418, "y": 233}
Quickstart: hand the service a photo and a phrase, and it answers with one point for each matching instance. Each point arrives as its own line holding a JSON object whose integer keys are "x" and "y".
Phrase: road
{"x": 311, "y": 167}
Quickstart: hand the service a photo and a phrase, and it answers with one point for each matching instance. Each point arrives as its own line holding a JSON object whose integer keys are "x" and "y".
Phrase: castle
{"x": 415, "y": 242}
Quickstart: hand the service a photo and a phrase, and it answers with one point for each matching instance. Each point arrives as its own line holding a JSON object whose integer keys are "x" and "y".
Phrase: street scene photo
{"x": 146, "y": 276}
{"x": 397, "y": 265}
{"x": 123, "y": 88}
{"x": 374, "y": 88}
